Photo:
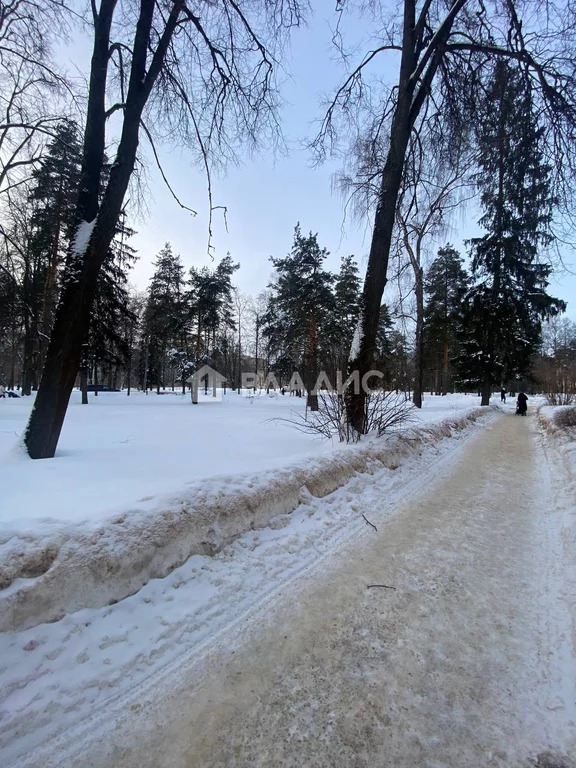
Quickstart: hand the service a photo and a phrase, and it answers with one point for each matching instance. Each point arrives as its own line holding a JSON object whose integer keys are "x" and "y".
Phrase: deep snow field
{"x": 119, "y": 450}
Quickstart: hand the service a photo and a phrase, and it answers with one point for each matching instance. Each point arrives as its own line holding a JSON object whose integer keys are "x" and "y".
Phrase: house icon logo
{"x": 208, "y": 378}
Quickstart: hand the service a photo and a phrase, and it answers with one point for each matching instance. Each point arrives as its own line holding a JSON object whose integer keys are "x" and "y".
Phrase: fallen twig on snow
{"x": 384, "y": 586}
{"x": 369, "y": 523}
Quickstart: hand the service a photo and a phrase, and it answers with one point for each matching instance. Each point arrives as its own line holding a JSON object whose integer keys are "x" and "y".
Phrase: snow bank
{"x": 560, "y": 422}
{"x": 43, "y": 579}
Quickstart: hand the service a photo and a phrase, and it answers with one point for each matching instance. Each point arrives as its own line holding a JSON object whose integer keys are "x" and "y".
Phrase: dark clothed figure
{"x": 521, "y": 404}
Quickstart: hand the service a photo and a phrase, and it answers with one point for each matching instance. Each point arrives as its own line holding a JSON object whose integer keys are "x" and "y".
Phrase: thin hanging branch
{"x": 161, "y": 169}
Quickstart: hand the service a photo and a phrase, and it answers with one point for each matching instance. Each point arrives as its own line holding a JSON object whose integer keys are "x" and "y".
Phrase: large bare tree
{"x": 443, "y": 49}
{"x": 201, "y": 73}
{"x": 31, "y": 86}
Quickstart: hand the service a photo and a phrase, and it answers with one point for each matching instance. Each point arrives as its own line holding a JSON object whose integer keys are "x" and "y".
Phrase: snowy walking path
{"x": 467, "y": 661}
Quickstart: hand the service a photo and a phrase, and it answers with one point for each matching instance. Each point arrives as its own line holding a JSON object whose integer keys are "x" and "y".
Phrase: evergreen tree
{"x": 279, "y": 358}
{"x": 164, "y": 317}
{"x": 383, "y": 358}
{"x": 211, "y": 316}
{"x": 304, "y": 307}
{"x": 52, "y": 198}
{"x": 398, "y": 361}
{"x": 346, "y": 307}
{"x": 108, "y": 346}
{"x": 445, "y": 287}
{"x": 506, "y": 305}
{"x": 10, "y": 314}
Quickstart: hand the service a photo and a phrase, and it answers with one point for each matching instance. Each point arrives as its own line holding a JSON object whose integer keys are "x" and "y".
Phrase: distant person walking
{"x": 521, "y": 404}
{"x": 502, "y": 395}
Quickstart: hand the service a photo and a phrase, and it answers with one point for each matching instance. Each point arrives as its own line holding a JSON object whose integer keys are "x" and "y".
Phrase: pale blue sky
{"x": 266, "y": 196}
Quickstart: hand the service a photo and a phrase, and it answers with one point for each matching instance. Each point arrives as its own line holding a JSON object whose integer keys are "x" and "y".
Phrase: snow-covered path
{"x": 464, "y": 658}
{"x": 459, "y": 665}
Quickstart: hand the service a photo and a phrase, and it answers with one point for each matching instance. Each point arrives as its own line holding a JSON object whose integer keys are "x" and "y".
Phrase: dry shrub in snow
{"x": 384, "y": 410}
{"x": 566, "y": 419}
{"x": 560, "y": 398}
{"x": 558, "y": 420}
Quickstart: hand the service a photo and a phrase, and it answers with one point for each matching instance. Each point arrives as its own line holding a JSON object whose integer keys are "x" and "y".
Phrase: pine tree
{"x": 304, "y": 305}
{"x": 211, "y": 316}
{"x": 445, "y": 287}
{"x": 279, "y": 358}
{"x": 505, "y": 307}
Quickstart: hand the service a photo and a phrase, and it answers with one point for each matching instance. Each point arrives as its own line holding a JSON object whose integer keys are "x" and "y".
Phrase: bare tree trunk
{"x": 129, "y": 373}
{"x": 145, "y": 373}
{"x": 312, "y": 366}
{"x": 419, "y": 351}
{"x": 445, "y": 369}
{"x": 486, "y": 390}
{"x": 376, "y": 272}
{"x": 83, "y": 265}
{"x": 13, "y": 354}
{"x": 84, "y": 384}
{"x": 256, "y": 351}
{"x": 407, "y": 109}
{"x": 28, "y": 361}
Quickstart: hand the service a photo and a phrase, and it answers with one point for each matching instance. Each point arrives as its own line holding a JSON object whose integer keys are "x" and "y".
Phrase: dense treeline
{"x": 303, "y": 322}
{"x": 37, "y": 229}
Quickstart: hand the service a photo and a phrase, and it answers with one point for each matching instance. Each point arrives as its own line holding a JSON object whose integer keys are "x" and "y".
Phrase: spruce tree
{"x": 52, "y": 198}
{"x": 107, "y": 348}
{"x": 211, "y": 315}
{"x": 164, "y": 316}
{"x": 445, "y": 286}
{"x": 505, "y": 307}
{"x": 346, "y": 306}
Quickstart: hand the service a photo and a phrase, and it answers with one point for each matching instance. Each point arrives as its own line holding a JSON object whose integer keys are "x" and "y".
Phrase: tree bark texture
{"x": 412, "y": 92}
{"x": 73, "y": 314}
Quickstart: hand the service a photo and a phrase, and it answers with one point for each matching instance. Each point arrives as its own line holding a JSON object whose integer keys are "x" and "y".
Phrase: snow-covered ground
{"x": 553, "y": 420}
{"x": 72, "y": 559}
{"x": 160, "y": 526}
{"x": 69, "y": 675}
{"x": 118, "y": 450}
{"x": 141, "y": 483}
